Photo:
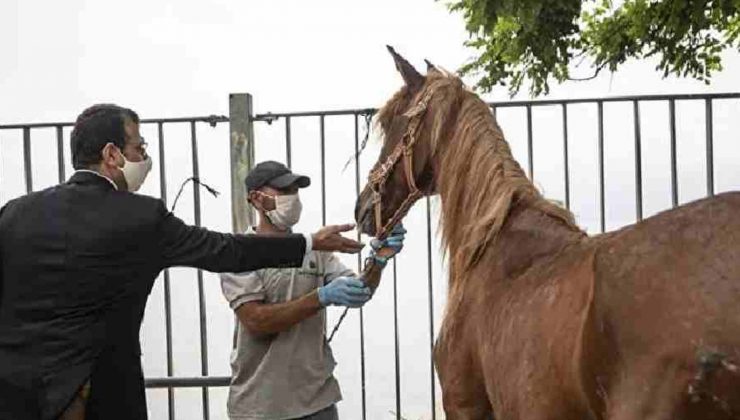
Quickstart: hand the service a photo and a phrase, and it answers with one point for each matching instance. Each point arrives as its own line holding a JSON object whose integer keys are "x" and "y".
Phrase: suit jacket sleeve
{"x": 185, "y": 245}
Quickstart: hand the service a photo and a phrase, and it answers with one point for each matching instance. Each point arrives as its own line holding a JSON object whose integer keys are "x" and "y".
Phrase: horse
{"x": 543, "y": 321}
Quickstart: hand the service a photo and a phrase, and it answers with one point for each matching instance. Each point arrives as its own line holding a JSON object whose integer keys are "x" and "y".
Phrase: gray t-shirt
{"x": 289, "y": 374}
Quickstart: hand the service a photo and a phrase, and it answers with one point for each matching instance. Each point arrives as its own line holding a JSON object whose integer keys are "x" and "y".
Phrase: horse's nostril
{"x": 362, "y": 208}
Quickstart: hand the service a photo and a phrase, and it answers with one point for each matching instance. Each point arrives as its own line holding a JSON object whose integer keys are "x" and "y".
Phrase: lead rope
{"x": 368, "y": 267}
{"x": 368, "y": 264}
{"x": 382, "y": 231}
{"x": 368, "y": 121}
{"x": 405, "y": 151}
{"x": 336, "y": 326}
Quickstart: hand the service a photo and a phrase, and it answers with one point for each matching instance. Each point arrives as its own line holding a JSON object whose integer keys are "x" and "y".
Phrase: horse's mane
{"x": 480, "y": 181}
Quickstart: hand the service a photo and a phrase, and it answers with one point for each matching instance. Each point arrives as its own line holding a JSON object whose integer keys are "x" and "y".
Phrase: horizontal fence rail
{"x": 205, "y": 381}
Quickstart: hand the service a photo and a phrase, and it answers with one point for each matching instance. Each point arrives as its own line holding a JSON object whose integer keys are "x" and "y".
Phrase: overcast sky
{"x": 183, "y": 58}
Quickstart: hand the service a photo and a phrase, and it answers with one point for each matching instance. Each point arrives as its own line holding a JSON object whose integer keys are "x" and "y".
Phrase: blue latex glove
{"x": 344, "y": 291}
{"x": 394, "y": 241}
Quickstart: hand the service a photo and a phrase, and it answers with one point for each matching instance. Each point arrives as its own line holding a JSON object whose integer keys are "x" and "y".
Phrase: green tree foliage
{"x": 543, "y": 40}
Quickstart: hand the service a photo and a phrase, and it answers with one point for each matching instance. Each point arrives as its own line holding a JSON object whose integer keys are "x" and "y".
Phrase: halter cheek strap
{"x": 379, "y": 176}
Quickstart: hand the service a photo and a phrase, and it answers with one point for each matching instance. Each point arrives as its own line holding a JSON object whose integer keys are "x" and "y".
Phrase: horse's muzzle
{"x": 363, "y": 215}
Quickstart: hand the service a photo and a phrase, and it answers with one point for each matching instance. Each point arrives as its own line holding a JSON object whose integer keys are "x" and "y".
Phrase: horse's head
{"x": 413, "y": 122}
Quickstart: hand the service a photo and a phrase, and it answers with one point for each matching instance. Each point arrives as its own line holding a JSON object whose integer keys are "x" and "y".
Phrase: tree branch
{"x": 593, "y": 76}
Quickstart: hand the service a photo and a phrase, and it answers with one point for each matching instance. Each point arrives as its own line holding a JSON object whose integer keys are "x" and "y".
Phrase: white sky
{"x": 183, "y": 58}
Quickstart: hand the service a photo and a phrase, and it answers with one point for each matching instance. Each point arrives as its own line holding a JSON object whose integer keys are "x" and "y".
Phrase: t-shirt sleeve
{"x": 240, "y": 288}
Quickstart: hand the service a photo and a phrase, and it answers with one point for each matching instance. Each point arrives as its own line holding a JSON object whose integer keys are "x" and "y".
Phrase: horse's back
{"x": 666, "y": 295}
{"x": 679, "y": 270}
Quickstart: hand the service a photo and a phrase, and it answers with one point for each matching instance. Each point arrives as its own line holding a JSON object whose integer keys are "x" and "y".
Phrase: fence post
{"x": 242, "y": 158}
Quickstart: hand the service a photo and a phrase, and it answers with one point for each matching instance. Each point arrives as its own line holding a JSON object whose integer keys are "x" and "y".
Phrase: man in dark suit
{"x": 77, "y": 263}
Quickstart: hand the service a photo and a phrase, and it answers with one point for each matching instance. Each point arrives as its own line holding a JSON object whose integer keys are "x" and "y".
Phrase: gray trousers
{"x": 329, "y": 413}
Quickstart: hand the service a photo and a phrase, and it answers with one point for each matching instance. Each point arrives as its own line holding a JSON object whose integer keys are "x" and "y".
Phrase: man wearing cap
{"x": 282, "y": 366}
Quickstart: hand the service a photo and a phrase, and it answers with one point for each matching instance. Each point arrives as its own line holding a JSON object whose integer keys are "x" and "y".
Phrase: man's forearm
{"x": 272, "y": 318}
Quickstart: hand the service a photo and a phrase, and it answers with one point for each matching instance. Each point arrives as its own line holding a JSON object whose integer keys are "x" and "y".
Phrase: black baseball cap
{"x": 275, "y": 175}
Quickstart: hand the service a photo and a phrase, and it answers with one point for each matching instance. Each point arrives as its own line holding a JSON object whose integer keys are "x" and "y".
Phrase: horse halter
{"x": 379, "y": 176}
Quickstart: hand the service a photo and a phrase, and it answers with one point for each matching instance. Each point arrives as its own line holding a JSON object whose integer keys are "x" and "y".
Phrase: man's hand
{"x": 344, "y": 291}
{"x": 329, "y": 239}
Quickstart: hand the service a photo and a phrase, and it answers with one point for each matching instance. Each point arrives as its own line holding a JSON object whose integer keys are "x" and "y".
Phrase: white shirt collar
{"x": 100, "y": 175}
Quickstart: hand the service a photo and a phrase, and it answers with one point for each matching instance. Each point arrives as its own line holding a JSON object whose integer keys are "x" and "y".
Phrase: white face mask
{"x": 287, "y": 211}
{"x": 135, "y": 172}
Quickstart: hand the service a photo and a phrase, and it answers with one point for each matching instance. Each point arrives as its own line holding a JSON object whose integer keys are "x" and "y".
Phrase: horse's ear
{"x": 431, "y": 68}
{"x": 413, "y": 78}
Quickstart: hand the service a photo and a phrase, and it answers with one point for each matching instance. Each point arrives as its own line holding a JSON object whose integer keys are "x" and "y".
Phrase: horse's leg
{"x": 463, "y": 390}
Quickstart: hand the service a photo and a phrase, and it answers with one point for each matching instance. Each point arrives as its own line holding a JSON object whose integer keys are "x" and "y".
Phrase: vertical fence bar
{"x": 530, "y": 147}
{"x": 396, "y": 342}
{"x": 201, "y": 294}
{"x": 357, "y": 185}
{"x": 674, "y": 171}
{"x": 357, "y": 181}
{"x": 27, "y": 159}
{"x": 638, "y": 159}
{"x": 431, "y": 309}
{"x": 359, "y": 269}
{"x": 167, "y": 290}
{"x": 323, "y": 170}
{"x": 709, "y": 122}
{"x": 602, "y": 193}
{"x": 61, "y": 170}
{"x": 565, "y": 156}
{"x": 362, "y": 365}
{"x": 288, "y": 146}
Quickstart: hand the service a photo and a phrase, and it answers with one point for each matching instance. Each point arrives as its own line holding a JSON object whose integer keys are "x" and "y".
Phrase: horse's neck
{"x": 491, "y": 211}
{"x": 528, "y": 236}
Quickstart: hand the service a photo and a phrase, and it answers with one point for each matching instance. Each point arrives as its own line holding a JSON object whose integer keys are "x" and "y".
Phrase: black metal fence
{"x": 359, "y": 117}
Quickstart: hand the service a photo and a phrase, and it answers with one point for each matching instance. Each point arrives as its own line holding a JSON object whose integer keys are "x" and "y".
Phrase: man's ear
{"x": 255, "y": 200}
{"x": 109, "y": 155}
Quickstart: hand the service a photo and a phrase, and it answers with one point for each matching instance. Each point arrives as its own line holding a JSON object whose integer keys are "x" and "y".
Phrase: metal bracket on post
{"x": 242, "y": 158}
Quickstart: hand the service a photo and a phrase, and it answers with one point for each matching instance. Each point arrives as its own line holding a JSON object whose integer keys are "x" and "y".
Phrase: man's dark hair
{"x": 95, "y": 127}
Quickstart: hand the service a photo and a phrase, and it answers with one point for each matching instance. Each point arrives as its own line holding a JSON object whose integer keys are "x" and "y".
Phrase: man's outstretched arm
{"x": 185, "y": 245}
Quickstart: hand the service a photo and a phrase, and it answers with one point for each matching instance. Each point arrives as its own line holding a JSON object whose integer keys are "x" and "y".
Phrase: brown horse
{"x": 543, "y": 321}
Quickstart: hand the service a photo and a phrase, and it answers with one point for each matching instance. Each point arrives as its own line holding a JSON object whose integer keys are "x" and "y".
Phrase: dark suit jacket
{"x": 77, "y": 262}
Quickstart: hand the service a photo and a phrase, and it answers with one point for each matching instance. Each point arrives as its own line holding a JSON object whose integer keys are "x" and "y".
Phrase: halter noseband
{"x": 379, "y": 176}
